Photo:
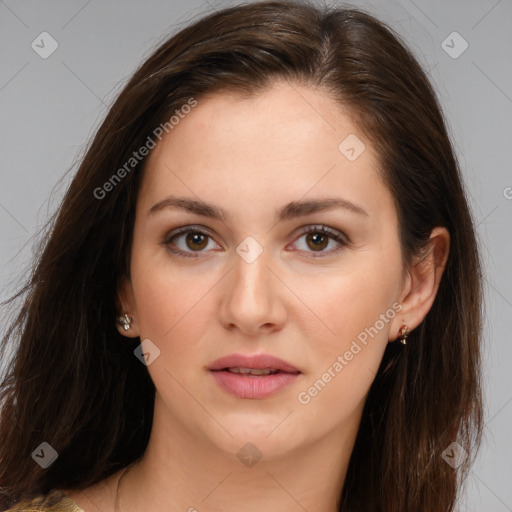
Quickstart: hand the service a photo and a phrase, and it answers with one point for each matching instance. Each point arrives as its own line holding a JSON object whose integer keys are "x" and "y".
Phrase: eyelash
{"x": 335, "y": 235}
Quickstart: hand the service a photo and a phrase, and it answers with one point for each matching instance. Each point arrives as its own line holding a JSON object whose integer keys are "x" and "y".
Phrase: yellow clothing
{"x": 55, "y": 501}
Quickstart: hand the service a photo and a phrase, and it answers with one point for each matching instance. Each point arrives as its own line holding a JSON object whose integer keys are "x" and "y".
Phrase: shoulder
{"x": 54, "y": 501}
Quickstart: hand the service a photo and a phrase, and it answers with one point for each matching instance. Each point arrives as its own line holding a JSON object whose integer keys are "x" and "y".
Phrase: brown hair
{"x": 74, "y": 381}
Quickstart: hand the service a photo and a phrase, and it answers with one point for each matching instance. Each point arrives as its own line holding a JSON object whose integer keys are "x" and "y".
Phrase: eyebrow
{"x": 290, "y": 211}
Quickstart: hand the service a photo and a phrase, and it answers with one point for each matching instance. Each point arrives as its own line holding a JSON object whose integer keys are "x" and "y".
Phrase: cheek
{"x": 343, "y": 364}
{"x": 172, "y": 305}
{"x": 350, "y": 300}
{"x": 351, "y": 305}
{"x": 346, "y": 347}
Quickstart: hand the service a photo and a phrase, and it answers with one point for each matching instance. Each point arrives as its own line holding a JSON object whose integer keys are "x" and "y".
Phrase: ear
{"x": 422, "y": 282}
{"x": 126, "y": 304}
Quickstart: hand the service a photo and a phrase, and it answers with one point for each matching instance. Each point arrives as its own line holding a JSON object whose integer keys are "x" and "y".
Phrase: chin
{"x": 269, "y": 437}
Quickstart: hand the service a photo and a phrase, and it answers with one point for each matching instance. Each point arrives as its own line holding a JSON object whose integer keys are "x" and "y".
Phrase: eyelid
{"x": 322, "y": 228}
{"x": 187, "y": 229}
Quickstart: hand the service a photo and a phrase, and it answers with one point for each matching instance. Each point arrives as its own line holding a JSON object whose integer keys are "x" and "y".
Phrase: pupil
{"x": 196, "y": 239}
{"x": 319, "y": 240}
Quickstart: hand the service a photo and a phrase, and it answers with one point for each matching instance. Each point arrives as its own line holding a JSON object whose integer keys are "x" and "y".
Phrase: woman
{"x": 262, "y": 289}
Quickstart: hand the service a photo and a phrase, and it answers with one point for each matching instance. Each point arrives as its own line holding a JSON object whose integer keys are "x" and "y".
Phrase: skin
{"x": 251, "y": 156}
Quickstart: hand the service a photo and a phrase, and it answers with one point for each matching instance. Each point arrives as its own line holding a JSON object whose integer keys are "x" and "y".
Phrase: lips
{"x": 257, "y": 361}
{"x": 257, "y": 376}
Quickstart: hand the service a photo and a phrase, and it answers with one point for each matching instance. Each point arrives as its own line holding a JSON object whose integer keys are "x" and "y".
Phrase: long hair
{"x": 74, "y": 381}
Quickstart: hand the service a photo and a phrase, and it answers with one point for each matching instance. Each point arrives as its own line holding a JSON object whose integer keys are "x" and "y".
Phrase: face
{"x": 274, "y": 276}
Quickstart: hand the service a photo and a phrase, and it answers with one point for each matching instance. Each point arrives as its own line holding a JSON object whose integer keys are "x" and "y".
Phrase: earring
{"x": 404, "y": 332}
{"x": 125, "y": 321}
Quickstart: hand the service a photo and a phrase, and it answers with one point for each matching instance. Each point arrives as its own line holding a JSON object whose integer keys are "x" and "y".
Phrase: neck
{"x": 181, "y": 471}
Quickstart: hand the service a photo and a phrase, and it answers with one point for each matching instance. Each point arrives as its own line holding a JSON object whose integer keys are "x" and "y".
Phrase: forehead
{"x": 287, "y": 141}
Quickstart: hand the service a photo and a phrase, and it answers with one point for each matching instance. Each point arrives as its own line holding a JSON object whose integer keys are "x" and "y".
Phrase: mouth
{"x": 253, "y": 372}
{"x": 245, "y": 364}
{"x": 253, "y": 377}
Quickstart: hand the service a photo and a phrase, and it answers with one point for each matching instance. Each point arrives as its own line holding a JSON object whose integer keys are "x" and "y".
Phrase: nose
{"x": 253, "y": 298}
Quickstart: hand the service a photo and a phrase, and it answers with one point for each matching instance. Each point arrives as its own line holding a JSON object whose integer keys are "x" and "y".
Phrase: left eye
{"x": 317, "y": 239}
{"x": 193, "y": 240}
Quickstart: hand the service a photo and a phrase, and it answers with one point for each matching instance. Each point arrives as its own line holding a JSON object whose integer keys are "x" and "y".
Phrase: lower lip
{"x": 253, "y": 386}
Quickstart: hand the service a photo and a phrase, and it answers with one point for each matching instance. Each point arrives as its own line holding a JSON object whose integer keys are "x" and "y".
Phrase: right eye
{"x": 188, "y": 240}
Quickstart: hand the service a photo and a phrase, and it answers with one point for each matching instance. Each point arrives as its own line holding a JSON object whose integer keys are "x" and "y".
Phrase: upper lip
{"x": 256, "y": 361}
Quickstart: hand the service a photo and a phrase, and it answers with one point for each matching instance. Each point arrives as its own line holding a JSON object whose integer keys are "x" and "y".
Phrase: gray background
{"x": 50, "y": 108}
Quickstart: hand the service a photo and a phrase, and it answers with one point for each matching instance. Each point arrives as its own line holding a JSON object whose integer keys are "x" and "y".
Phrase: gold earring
{"x": 404, "y": 331}
{"x": 125, "y": 321}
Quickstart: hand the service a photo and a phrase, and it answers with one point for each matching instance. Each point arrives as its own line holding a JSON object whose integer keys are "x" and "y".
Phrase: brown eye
{"x": 189, "y": 241}
{"x": 196, "y": 241}
{"x": 317, "y": 241}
